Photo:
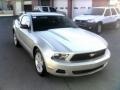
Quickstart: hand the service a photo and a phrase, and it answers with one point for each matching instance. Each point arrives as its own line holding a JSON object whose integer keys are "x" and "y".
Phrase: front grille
{"x": 87, "y": 71}
{"x": 87, "y": 56}
{"x": 81, "y": 22}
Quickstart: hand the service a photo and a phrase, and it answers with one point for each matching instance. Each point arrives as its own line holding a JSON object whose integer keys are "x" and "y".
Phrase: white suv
{"x": 96, "y": 17}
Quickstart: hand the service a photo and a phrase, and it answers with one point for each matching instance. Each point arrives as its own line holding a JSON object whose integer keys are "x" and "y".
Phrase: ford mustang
{"x": 58, "y": 46}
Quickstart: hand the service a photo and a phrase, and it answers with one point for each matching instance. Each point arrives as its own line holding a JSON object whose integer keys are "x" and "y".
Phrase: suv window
{"x": 107, "y": 13}
{"x": 113, "y": 11}
{"x": 45, "y": 9}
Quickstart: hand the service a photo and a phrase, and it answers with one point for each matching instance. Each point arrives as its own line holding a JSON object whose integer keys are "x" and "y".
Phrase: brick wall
{"x": 97, "y": 3}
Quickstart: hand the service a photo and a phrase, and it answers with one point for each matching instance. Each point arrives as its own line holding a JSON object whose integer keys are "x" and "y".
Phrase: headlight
{"x": 91, "y": 20}
{"x": 58, "y": 56}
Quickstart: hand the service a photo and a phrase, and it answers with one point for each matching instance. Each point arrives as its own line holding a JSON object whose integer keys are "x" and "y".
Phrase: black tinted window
{"x": 52, "y": 9}
{"x": 107, "y": 13}
{"x": 113, "y": 11}
{"x": 41, "y": 23}
{"x": 45, "y": 9}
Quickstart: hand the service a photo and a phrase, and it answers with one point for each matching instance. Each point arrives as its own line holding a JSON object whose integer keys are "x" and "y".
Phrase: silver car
{"x": 58, "y": 46}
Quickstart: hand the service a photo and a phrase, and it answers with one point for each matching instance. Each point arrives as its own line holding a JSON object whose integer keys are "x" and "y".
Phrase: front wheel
{"x": 39, "y": 63}
{"x": 117, "y": 24}
{"x": 16, "y": 42}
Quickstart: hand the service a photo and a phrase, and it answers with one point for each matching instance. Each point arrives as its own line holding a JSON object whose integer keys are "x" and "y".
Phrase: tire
{"x": 16, "y": 42}
{"x": 117, "y": 25}
{"x": 99, "y": 28}
{"x": 39, "y": 63}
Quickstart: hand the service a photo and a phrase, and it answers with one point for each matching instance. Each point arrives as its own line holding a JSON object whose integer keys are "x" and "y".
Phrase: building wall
{"x": 97, "y": 3}
{"x": 18, "y": 7}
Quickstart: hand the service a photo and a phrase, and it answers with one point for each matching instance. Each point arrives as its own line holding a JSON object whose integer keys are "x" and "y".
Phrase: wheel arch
{"x": 34, "y": 51}
{"x": 13, "y": 30}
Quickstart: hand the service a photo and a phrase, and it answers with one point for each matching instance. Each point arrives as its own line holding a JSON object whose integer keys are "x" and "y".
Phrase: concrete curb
{"x": 1, "y": 15}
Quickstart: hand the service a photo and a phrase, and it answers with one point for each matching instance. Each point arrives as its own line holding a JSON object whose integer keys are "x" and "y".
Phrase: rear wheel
{"x": 39, "y": 63}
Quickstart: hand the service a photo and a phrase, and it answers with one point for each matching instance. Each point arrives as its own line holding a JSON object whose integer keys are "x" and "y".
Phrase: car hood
{"x": 86, "y": 17}
{"x": 72, "y": 40}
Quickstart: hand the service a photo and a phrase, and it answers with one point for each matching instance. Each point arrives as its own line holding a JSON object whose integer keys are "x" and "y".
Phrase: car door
{"x": 114, "y": 15}
{"x": 26, "y": 34}
{"x": 107, "y": 16}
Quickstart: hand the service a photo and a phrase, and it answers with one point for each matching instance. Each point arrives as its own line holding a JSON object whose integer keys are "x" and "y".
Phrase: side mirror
{"x": 25, "y": 26}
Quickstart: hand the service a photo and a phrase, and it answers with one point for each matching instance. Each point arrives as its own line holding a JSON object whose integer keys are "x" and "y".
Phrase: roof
{"x": 44, "y": 14}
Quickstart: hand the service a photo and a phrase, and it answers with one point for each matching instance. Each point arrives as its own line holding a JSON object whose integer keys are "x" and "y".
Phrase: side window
{"x": 52, "y": 9}
{"x": 107, "y": 13}
{"x": 113, "y": 11}
{"x": 25, "y": 20}
{"x": 45, "y": 9}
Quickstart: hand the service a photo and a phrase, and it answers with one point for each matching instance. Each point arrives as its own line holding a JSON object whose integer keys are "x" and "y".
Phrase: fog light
{"x": 60, "y": 71}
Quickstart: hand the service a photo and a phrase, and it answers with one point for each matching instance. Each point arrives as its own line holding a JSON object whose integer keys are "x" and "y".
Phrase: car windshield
{"x": 95, "y": 11}
{"x": 42, "y": 23}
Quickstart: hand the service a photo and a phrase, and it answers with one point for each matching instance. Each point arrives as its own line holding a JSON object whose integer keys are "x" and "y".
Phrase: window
{"x": 45, "y": 9}
{"x": 107, "y": 13}
{"x": 61, "y": 7}
{"x": 52, "y": 9}
{"x": 75, "y": 7}
{"x": 95, "y": 11}
{"x": 25, "y": 20}
{"x": 113, "y": 11}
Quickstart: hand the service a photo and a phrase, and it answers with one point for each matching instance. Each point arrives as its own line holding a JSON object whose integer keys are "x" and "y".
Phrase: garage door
{"x": 80, "y": 6}
{"x": 61, "y": 5}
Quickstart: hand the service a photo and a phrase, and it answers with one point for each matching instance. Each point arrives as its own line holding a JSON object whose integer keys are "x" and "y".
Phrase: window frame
{"x": 106, "y": 11}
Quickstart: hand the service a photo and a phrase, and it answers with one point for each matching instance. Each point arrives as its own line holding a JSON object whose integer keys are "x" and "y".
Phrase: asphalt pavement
{"x": 17, "y": 70}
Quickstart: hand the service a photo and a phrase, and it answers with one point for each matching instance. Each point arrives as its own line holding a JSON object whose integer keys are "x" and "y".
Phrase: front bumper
{"x": 79, "y": 68}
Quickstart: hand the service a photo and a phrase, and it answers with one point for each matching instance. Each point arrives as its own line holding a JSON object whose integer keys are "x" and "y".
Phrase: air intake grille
{"x": 87, "y": 56}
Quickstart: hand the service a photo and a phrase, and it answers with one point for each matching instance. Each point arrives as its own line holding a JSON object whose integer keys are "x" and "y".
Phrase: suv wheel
{"x": 117, "y": 24}
{"x": 39, "y": 63}
{"x": 99, "y": 28}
